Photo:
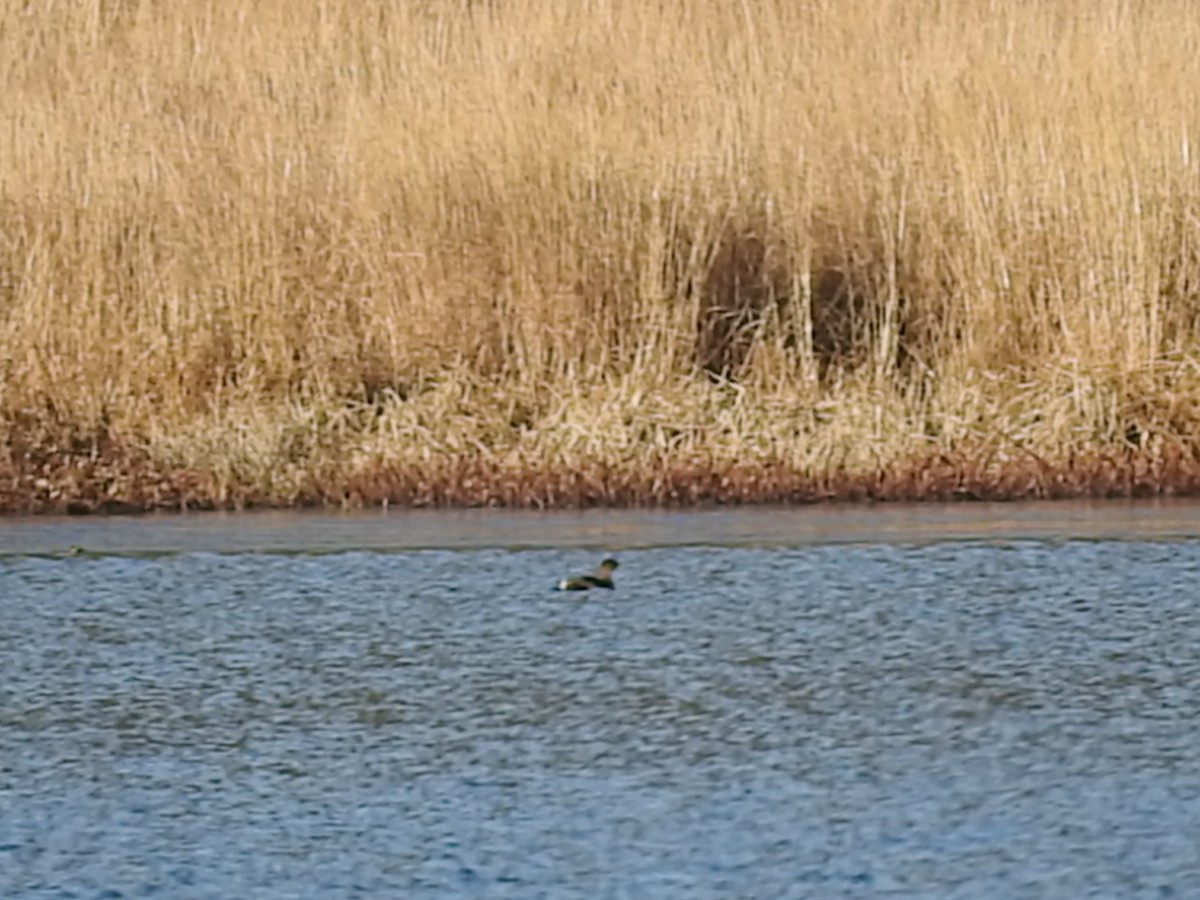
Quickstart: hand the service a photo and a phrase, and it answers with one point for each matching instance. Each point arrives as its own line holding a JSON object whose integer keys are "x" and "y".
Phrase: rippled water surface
{"x": 966, "y": 703}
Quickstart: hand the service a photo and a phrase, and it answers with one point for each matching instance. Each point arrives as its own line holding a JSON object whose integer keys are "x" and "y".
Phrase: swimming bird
{"x": 602, "y": 578}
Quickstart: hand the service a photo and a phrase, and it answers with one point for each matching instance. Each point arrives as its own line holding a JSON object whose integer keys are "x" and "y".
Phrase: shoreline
{"x": 107, "y": 488}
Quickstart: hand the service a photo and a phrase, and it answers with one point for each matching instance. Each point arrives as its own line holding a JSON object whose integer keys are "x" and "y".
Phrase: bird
{"x": 602, "y": 578}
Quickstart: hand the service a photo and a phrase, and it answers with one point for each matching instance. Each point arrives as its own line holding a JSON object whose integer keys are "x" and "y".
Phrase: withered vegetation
{"x": 596, "y": 253}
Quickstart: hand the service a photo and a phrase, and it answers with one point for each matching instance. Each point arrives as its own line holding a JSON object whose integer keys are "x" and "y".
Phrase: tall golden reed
{"x": 281, "y": 251}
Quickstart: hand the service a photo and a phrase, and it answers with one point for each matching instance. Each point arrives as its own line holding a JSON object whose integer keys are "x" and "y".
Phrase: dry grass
{"x": 506, "y": 252}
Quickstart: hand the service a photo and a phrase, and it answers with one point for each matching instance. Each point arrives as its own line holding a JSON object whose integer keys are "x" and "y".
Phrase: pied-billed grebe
{"x": 602, "y": 578}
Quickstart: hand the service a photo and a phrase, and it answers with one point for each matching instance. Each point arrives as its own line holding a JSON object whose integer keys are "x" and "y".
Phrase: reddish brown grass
{"x": 118, "y": 479}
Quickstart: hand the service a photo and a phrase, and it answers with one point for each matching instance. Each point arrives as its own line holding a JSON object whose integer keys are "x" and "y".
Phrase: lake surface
{"x": 926, "y": 702}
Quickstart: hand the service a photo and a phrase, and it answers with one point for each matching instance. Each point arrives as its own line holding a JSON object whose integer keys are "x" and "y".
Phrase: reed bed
{"x": 607, "y": 252}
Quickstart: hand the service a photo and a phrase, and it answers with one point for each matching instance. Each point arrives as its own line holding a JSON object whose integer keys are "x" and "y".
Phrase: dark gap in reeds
{"x": 747, "y": 278}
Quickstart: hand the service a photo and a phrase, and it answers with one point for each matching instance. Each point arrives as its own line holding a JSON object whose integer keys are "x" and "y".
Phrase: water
{"x": 967, "y": 702}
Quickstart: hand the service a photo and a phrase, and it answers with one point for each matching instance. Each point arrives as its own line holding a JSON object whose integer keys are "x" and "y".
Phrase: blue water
{"x": 946, "y": 717}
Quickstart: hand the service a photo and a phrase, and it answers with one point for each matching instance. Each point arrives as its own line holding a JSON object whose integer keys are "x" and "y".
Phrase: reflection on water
{"x": 924, "y": 718}
{"x": 598, "y": 529}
